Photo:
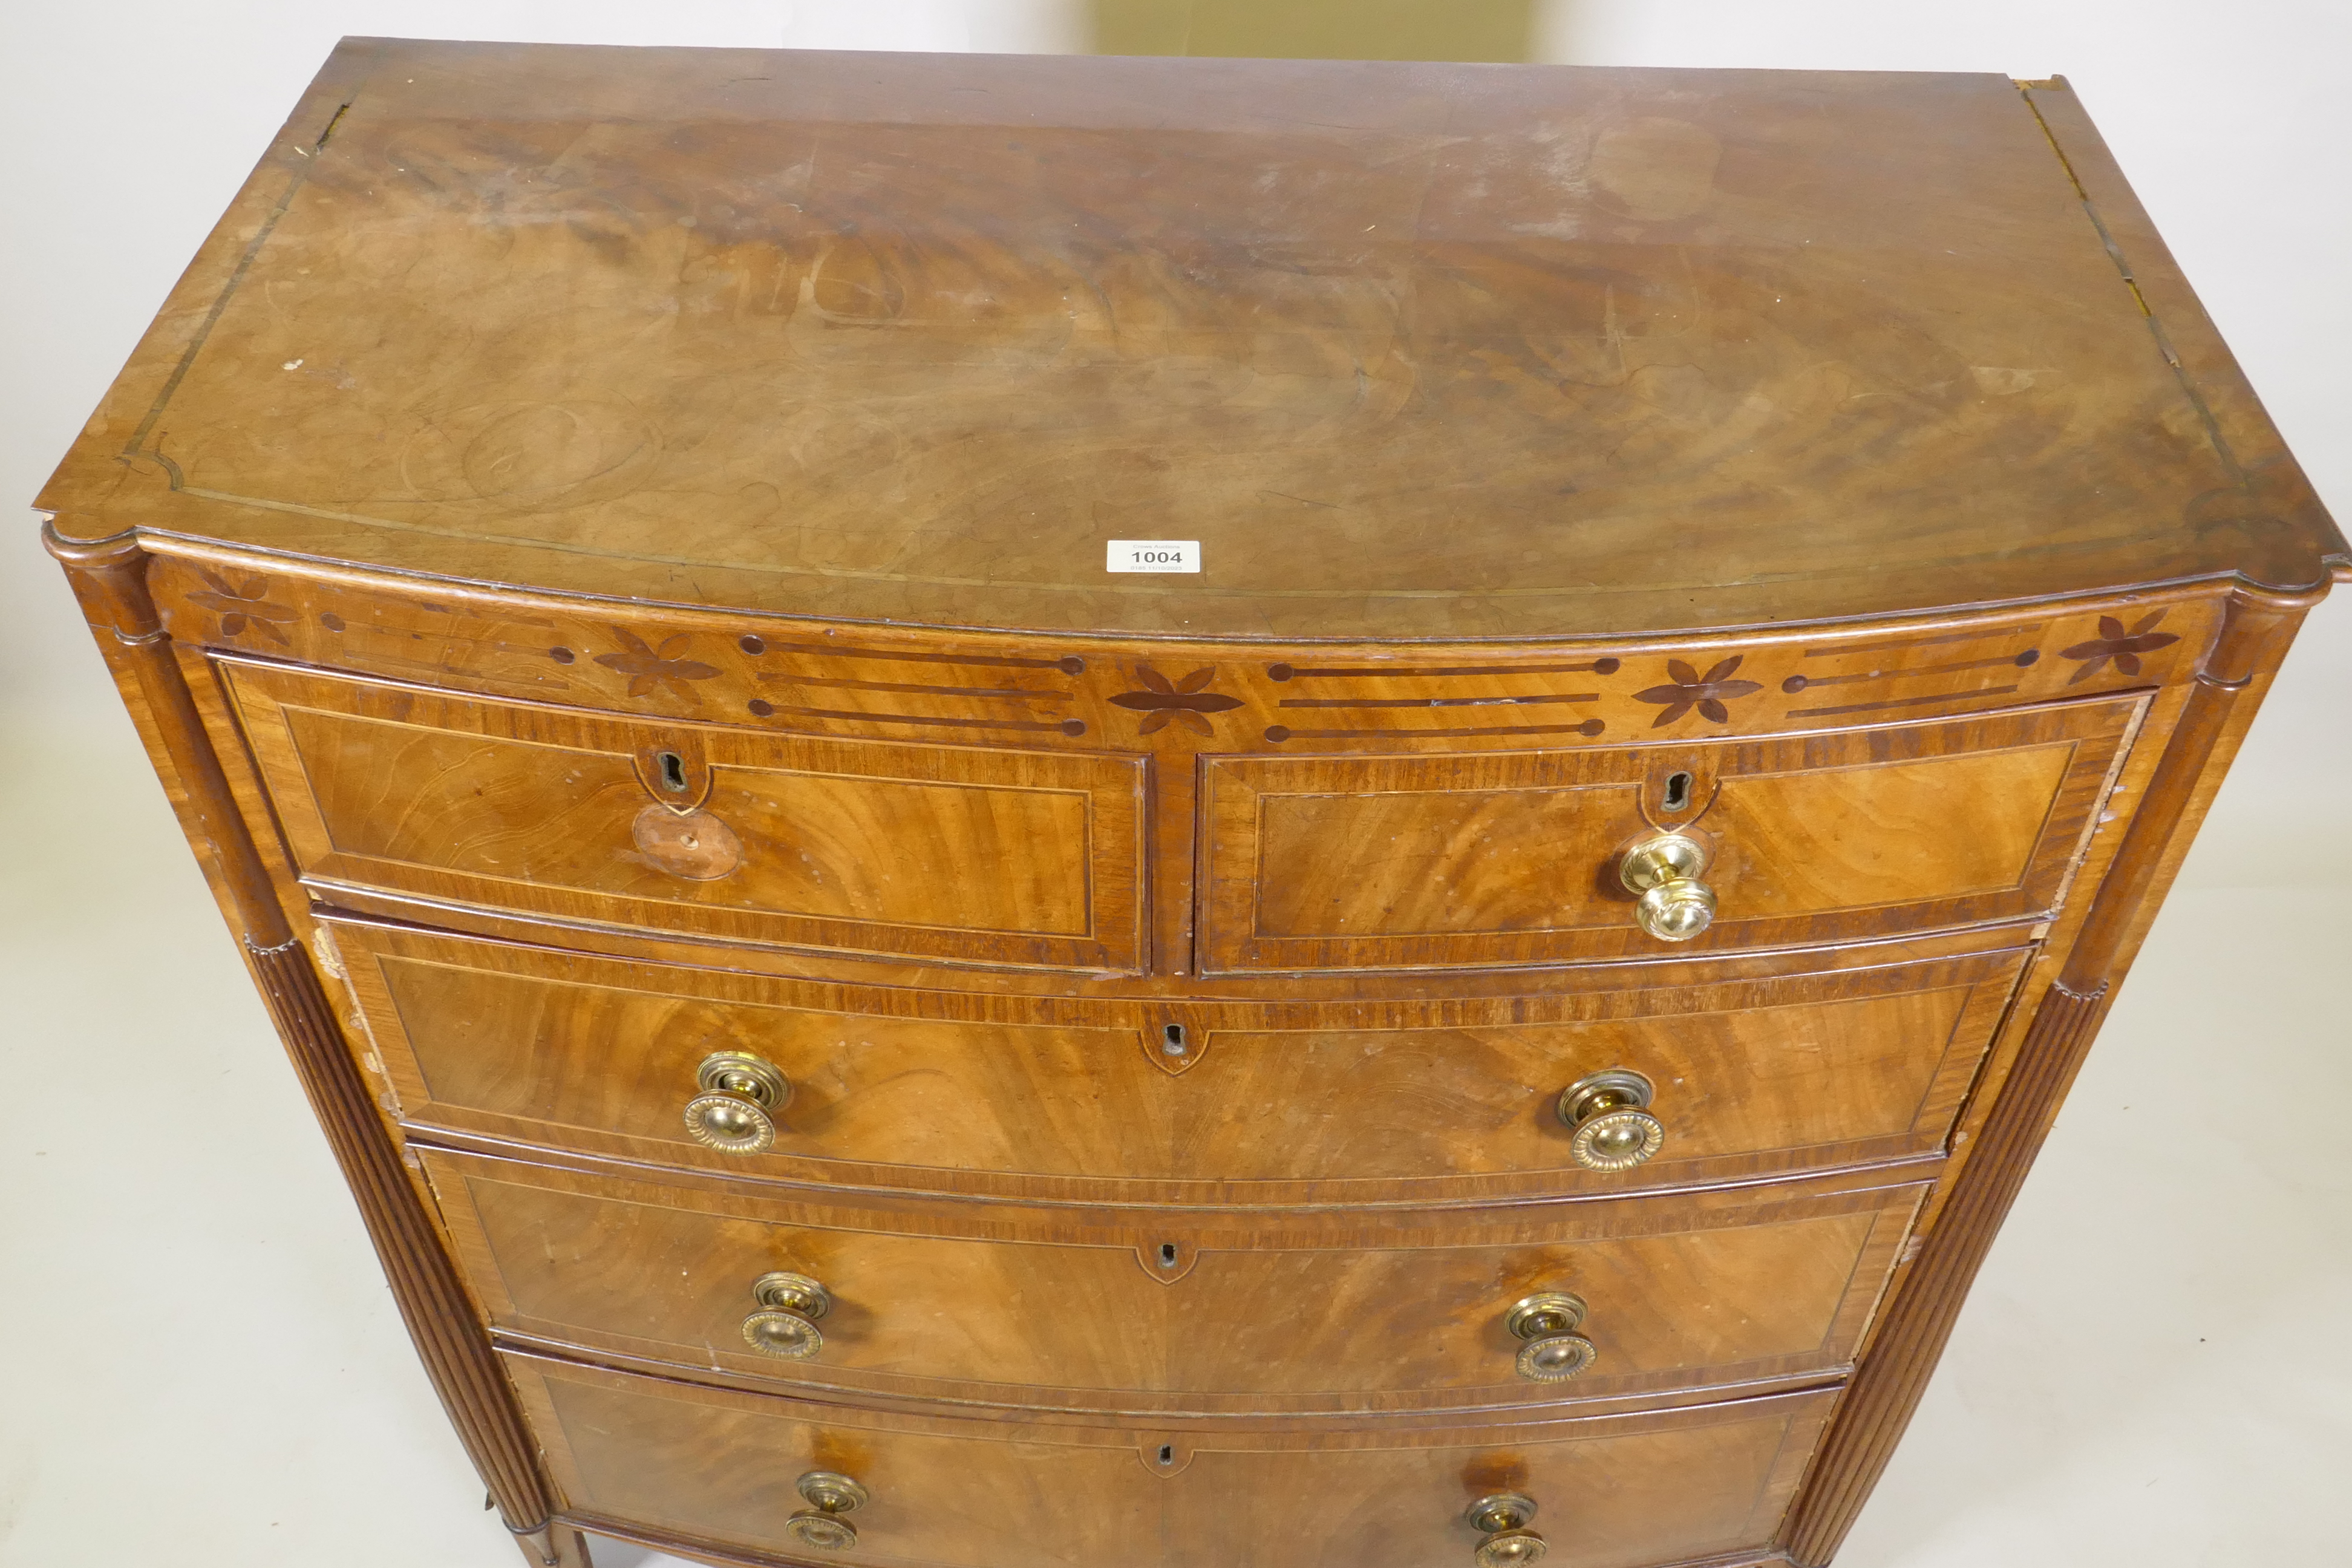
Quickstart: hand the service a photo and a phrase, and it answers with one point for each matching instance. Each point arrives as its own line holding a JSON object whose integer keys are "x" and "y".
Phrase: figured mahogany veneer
{"x": 605, "y": 551}
{"x": 1174, "y": 1310}
{"x": 715, "y": 1468}
{"x": 867, "y": 846}
{"x": 960, "y": 1090}
{"x": 1513, "y": 860}
{"x": 1310, "y": 863}
{"x": 1415, "y": 351}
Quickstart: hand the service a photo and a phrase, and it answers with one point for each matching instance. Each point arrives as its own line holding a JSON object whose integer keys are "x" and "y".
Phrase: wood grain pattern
{"x": 714, "y": 1466}
{"x": 1300, "y": 1102}
{"x": 672, "y": 584}
{"x": 1432, "y": 351}
{"x": 2064, "y": 1021}
{"x": 425, "y": 1285}
{"x": 2261, "y": 487}
{"x": 1081, "y": 693}
{"x": 110, "y": 577}
{"x": 1721, "y": 1297}
{"x": 1512, "y": 859}
{"x": 869, "y": 847}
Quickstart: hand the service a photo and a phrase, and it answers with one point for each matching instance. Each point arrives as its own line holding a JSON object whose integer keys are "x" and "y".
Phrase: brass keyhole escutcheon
{"x": 1675, "y": 905}
{"x": 1610, "y": 1125}
{"x": 1550, "y": 1350}
{"x": 785, "y": 1325}
{"x": 731, "y": 1112}
{"x": 829, "y": 1496}
{"x": 1503, "y": 1518}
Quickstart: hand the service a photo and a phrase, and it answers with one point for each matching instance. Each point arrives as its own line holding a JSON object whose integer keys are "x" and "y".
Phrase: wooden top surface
{"x": 1413, "y": 351}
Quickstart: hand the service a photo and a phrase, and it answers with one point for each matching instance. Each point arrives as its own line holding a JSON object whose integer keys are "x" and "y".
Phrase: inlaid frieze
{"x": 989, "y": 689}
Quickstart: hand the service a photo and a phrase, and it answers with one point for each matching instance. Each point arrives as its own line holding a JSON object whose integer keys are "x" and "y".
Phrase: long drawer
{"x": 1083, "y": 1100}
{"x": 1159, "y": 1309}
{"x": 722, "y": 1470}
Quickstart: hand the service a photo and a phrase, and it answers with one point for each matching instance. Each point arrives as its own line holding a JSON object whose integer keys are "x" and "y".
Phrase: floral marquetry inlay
{"x": 1690, "y": 690}
{"x": 2115, "y": 644}
{"x": 648, "y": 667}
{"x": 1012, "y": 690}
{"x": 243, "y": 605}
{"x": 1184, "y": 701}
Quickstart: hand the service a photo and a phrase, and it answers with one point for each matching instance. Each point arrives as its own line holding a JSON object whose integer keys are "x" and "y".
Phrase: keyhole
{"x": 1171, "y": 1040}
{"x": 1679, "y": 787}
{"x": 1167, "y": 1453}
{"x": 1167, "y": 1255}
{"x": 673, "y": 771}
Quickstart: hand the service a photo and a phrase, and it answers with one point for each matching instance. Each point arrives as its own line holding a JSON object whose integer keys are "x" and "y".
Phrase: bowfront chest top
{"x": 1040, "y": 811}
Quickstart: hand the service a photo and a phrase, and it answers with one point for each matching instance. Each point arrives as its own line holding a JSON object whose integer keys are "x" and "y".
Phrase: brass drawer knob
{"x": 1675, "y": 906}
{"x": 1503, "y": 1520}
{"x": 1551, "y": 1351}
{"x": 785, "y": 1325}
{"x": 1609, "y": 1120}
{"x": 820, "y": 1524}
{"x": 739, "y": 1090}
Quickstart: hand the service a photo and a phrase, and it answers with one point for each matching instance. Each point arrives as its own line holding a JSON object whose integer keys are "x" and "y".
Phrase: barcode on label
{"x": 1152, "y": 555}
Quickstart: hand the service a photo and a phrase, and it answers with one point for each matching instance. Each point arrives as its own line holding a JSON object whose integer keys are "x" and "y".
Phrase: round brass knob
{"x": 739, "y": 1090}
{"x": 1675, "y": 906}
{"x": 820, "y": 1524}
{"x": 786, "y": 1324}
{"x": 1503, "y": 1520}
{"x": 1608, "y": 1114}
{"x": 1551, "y": 1349}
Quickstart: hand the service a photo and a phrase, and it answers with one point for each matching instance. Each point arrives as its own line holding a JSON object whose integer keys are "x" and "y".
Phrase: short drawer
{"x": 1017, "y": 858}
{"x": 1034, "y": 1307}
{"x": 1268, "y": 1103}
{"x": 1504, "y": 858}
{"x": 720, "y": 1470}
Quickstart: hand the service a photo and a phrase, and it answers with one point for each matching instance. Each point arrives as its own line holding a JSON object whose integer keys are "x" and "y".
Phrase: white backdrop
{"x": 198, "y": 1362}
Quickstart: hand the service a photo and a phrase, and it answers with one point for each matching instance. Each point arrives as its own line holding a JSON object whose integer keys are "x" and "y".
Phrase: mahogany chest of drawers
{"x": 1019, "y": 811}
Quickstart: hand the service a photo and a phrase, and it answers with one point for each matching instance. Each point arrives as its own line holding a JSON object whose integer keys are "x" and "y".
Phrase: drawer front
{"x": 1270, "y": 1103}
{"x": 716, "y": 1468}
{"x": 1023, "y": 1307}
{"x": 1013, "y": 858}
{"x": 1413, "y": 862}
